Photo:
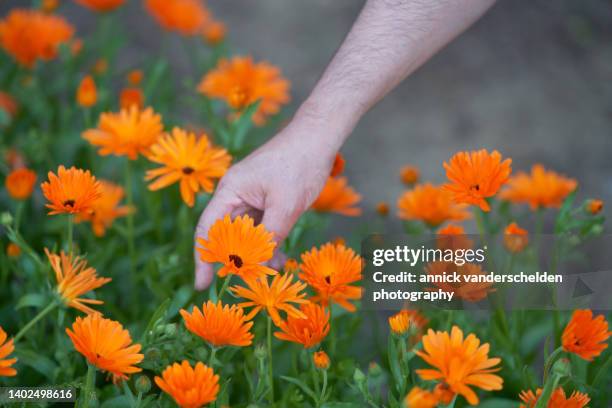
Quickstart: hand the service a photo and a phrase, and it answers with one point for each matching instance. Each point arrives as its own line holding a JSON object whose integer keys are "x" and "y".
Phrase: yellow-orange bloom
{"x": 420, "y": 398}
{"x": 75, "y": 278}
{"x": 430, "y": 204}
{"x": 309, "y": 331}
{"x": 127, "y": 133}
{"x": 282, "y": 294}
{"x": 214, "y": 32}
{"x": 399, "y": 323}
{"x": 321, "y": 360}
{"x": 87, "y": 93}
{"x": 6, "y": 348}
{"x": 189, "y": 160}
{"x": 382, "y": 208}
{"x": 594, "y": 206}
{"x": 466, "y": 290}
{"x": 337, "y": 166}
{"x": 409, "y": 175}
{"x": 30, "y": 35}
{"x": 515, "y": 238}
{"x": 106, "y": 208}
{"x": 187, "y": 17}
{"x": 475, "y": 176}
{"x": 241, "y": 82}
{"x": 338, "y": 197}
{"x": 134, "y": 77}
{"x": 291, "y": 266}
{"x": 106, "y": 345}
{"x": 584, "y": 335}
{"x": 331, "y": 271}
{"x": 71, "y": 191}
{"x": 558, "y": 399}
{"x": 101, "y": 5}
{"x": 540, "y": 189}
{"x": 13, "y": 250}
{"x": 190, "y": 387}
{"x": 453, "y": 236}
{"x": 240, "y": 246}
{"x": 459, "y": 363}
{"x": 219, "y": 325}
{"x": 131, "y": 96}
{"x": 8, "y": 104}
{"x": 20, "y": 183}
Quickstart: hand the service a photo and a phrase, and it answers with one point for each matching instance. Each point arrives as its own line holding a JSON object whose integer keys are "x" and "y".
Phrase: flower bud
{"x": 374, "y": 369}
{"x": 170, "y": 329}
{"x": 260, "y": 352}
{"x": 6, "y": 218}
{"x": 152, "y": 354}
{"x": 562, "y": 367}
{"x": 143, "y": 384}
{"x": 321, "y": 360}
{"x": 359, "y": 377}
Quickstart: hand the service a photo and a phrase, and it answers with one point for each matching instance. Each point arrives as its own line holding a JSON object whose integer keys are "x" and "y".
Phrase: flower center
{"x": 475, "y": 187}
{"x": 188, "y": 170}
{"x": 328, "y": 279}
{"x": 236, "y": 260}
{"x": 69, "y": 203}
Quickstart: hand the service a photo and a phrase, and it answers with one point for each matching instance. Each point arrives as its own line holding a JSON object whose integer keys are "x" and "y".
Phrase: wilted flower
{"x": 309, "y": 331}
{"x": 190, "y": 387}
{"x": 20, "y": 183}
{"x": 338, "y": 197}
{"x": 219, "y": 325}
{"x": 586, "y": 336}
{"x": 430, "y": 204}
{"x": 71, "y": 191}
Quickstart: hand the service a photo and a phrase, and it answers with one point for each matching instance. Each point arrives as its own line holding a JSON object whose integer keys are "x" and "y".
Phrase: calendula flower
{"x": 282, "y": 295}
{"x": 6, "y": 348}
{"x": 87, "y": 94}
{"x": 219, "y": 325}
{"x": 515, "y": 238}
{"x": 190, "y": 387}
{"x": 189, "y": 160}
{"x": 131, "y": 96}
{"x": 409, "y": 175}
{"x": 71, "y": 191}
{"x": 420, "y": 398}
{"x": 187, "y": 17}
{"x": 584, "y": 335}
{"x": 399, "y": 323}
{"x": 308, "y": 331}
{"x": 134, "y": 77}
{"x": 127, "y": 133}
{"x": 475, "y": 176}
{"x": 106, "y": 209}
{"x": 240, "y": 246}
{"x": 594, "y": 207}
{"x": 453, "y": 236}
{"x": 20, "y": 183}
{"x": 337, "y": 197}
{"x": 214, "y": 32}
{"x": 8, "y": 104}
{"x": 106, "y": 345}
{"x": 540, "y": 189}
{"x": 337, "y": 166}
{"x": 101, "y": 5}
{"x": 75, "y": 278}
{"x": 459, "y": 363}
{"x": 430, "y": 204}
{"x": 558, "y": 399}
{"x": 291, "y": 266}
{"x": 331, "y": 271}
{"x": 31, "y": 35}
{"x": 321, "y": 360}
{"x": 466, "y": 290}
{"x": 241, "y": 82}
{"x": 49, "y": 6}
{"x": 382, "y": 208}
{"x": 13, "y": 250}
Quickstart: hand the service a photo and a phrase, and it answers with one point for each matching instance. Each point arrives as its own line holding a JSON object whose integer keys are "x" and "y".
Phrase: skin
{"x": 279, "y": 181}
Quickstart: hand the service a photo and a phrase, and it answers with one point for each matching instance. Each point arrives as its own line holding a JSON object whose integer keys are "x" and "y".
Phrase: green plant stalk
{"x": 550, "y": 361}
{"x": 130, "y": 216}
{"x": 70, "y": 232}
{"x": 226, "y": 283}
{"x": 88, "y": 390}
{"x": 18, "y": 214}
{"x": 35, "y": 320}
{"x": 211, "y": 359}
{"x": 324, "y": 389}
{"x": 549, "y": 388}
{"x": 270, "y": 367}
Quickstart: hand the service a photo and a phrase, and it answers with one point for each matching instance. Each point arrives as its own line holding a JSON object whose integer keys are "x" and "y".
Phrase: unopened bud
{"x": 260, "y": 352}
{"x": 562, "y": 367}
{"x": 359, "y": 376}
{"x": 143, "y": 384}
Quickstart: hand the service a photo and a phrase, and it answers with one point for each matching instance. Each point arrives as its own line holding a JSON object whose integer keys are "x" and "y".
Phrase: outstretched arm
{"x": 278, "y": 182}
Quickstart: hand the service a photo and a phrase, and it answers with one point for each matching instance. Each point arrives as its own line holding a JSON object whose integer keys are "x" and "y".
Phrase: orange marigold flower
{"x": 291, "y": 266}
{"x": 515, "y": 238}
{"x": 594, "y": 207}
{"x": 8, "y": 104}
{"x": 338, "y": 197}
{"x": 331, "y": 270}
{"x": 558, "y": 399}
{"x": 475, "y": 176}
{"x": 337, "y": 166}
{"x": 309, "y": 331}
{"x": 87, "y": 93}
{"x": 71, "y": 191}
{"x": 382, "y": 208}
{"x": 106, "y": 208}
{"x": 584, "y": 335}
{"x": 219, "y": 325}
{"x": 6, "y": 348}
{"x": 459, "y": 363}
{"x": 30, "y": 35}
{"x": 321, "y": 360}
{"x": 430, "y": 204}
{"x": 240, "y": 246}
{"x": 400, "y": 323}
{"x": 131, "y": 96}
{"x": 187, "y": 17}
{"x": 134, "y": 77}
{"x": 75, "y": 278}
{"x": 127, "y": 133}
{"x": 190, "y": 160}
{"x": 20, "y": 183}
{"x": 453, "y": 236}
{"x": 273, "y": 297}
{"x": 214, "y": 32}
{"x": 409, "y": 175}
{"x": 469, "y": 291}
{"x": 13, "y": 250}
{"x": 49, "y": 6}
{"x": 420, "y": 398}
{"x": 106, "y": 345}
{"x": 540, "y": 189}
{"x": 101, "y": 5}
{"x": 242, "y": 82}
{"x": 189, "y": 387}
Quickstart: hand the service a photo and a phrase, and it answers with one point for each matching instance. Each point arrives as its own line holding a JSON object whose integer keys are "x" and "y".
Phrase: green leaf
{"x": 181, "y": 297}
{"x": 394, "y": 365}
{"x": 37, "y": 361}
{"x": 340, "y": 405}
{"x": 243, "y": 124}
{"x": 498, "y": 403}
{"x": 119, "y": 401}
{"x": 159, "y": 313}
{"x": 31, "y": 300}
{"x": 302, "y": 386}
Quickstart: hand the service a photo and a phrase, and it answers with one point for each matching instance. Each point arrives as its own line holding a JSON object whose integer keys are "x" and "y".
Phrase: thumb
{"x": 279, "y": 220}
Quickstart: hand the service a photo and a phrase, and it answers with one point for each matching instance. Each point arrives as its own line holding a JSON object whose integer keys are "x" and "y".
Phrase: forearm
{"x": 389, "y": 40}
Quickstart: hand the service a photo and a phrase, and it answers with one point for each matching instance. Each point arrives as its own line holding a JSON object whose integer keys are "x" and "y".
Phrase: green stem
{"x": 70, "y": 229}
{"x": 35, "y": 320}
{"x": 332, "y": 334}
{"x": 226, "y": 283}
{"x": 550, "y": 361}
{"x": 88, "y": 390}
{"x": 139, "y": 400}
{"x": 549, "y": 388}
{"x": 130, "y": 216}
{"x": 18, "y": 214}
{"x": 324, "y": 389}
{"x": 213, "y": 353}
{"x": 270, "y": 367}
